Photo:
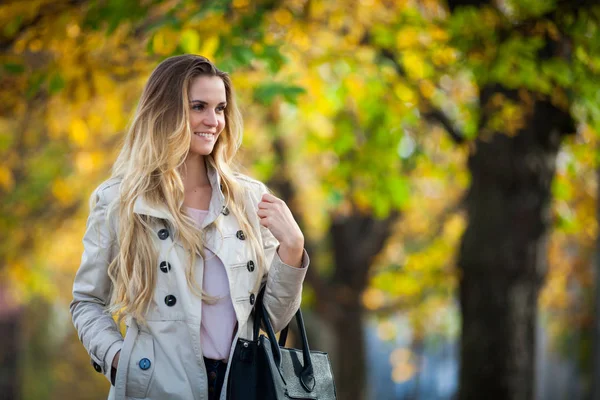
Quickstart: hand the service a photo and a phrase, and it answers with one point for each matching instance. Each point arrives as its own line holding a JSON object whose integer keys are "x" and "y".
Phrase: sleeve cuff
{"x": 110, "y": 355}
{"x": 303, "y": 265}
{"x": 284, "y": 279}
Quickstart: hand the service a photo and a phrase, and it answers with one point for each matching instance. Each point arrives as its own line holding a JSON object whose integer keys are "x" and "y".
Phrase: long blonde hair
{"x": 155, "y": 148}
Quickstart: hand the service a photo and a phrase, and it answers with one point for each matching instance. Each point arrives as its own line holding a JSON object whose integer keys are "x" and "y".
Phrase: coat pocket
{"x": 140, "y": 366}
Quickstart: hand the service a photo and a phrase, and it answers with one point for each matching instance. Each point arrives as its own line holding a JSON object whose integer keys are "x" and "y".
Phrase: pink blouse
{"x": 218, "y": 319}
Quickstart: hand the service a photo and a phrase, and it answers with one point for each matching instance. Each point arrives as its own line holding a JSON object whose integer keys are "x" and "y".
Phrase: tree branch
{"x": 433, "y": 114}
{"x": 48, "y": 11}
{"x": 436, "y": 115}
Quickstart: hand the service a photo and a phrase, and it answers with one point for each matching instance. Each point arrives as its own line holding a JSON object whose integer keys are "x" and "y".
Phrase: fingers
{"x": 269, "y": 201}
{"x": 264, "y": 218}
{"x": 264, "y": 222}
{"x": 268, "y": 208}
{"x": 269, "y": 198}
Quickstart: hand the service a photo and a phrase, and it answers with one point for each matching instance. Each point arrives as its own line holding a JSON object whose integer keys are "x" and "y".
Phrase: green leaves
{"x": 108, "y": 15}
{"x": 56, "y": 83}
{"x": 13, "y": 68}
{"x": 189, "y": 41}
{"x": 268, "y": 92}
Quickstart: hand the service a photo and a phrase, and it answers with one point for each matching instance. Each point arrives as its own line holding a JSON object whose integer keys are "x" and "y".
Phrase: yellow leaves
{"x": 507, "y": 116}
{"x": 414, "y": 64}
{"x": 283, "y": 17}
{"x": 73, "y": 30}
{"x": 365, "y": 54}
{"x": 373, "y": 298}
{"x": 405, "y": 93}
{"x": 63, "y": 192}
{"x": 386, "y": 330}
{"x": 444, "y": 56}
{"x": 362, "y": 201}
{"x": 165, "y": 41}
{"x": 35, "y": 45}
{"x": 299, "y": 37}
{"x": 403, "y": 368}
{"x": 103, "y": 84}
{"x": 403, "y": 373}
{"x": 209, "y": 46}
{"x": 407, "y": 38}
{"x": 427, "y": 89}
{"x": 438, "y": 34}
{"x": 27, "y": 281}
{"x": 321, "y": 126}
{"x": 114, "y": 112}
{"x": 88, "y": 162}
{"x": 241, "y": 3}
{"x": 7, "y": 181}
{"x": 78, "y": 132}
{"x": 455, "y": 226}
{"x": 189, "y": 41}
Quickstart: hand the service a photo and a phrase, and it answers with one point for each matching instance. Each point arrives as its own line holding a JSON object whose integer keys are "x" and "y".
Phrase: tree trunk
{"x": 596, "y": 330}
{"x": 503, "y": 251}
{"x": 10, "y": 344}
{"x": 356, "y": 239}
{"x": 350, "y": 367}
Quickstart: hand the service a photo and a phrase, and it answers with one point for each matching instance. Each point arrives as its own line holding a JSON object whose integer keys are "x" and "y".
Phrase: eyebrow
{"x": 205, "y": 103}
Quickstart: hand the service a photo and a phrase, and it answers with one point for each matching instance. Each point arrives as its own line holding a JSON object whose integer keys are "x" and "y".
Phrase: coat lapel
{"x": 217, "y": 203}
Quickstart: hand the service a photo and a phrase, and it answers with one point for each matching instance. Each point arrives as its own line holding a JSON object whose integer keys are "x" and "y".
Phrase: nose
{"x": 210, "y": 118}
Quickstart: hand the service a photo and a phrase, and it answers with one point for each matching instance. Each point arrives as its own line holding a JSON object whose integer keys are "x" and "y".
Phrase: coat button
{"x": 250, "y": 265}
{"x": 225, "y": 210}
{"x": 170, "y": 300}
{"x": 165, "y": 266}
{"x": 97, "y": 367}
{"x": 145, "y": 364}
{"x": 163, "y": 234}
{"x": 252, "y": 299}
{"x": 240, "y": 235}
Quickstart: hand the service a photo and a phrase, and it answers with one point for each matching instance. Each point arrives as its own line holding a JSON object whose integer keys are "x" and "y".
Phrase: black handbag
{"x": 263, "y": 369}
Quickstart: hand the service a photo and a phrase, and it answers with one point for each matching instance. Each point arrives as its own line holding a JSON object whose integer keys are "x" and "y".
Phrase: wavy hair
{"x": 149, "y": 165}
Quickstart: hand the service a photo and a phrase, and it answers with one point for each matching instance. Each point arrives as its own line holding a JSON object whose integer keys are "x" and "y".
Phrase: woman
{"x": 178, "y": 245}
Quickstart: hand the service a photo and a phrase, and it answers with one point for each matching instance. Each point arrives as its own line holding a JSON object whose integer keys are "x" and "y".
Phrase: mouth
{"x": 205, "y": 135}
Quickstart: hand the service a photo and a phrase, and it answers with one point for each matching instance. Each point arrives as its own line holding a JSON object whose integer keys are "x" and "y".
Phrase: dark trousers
{"x": 215, "y": 371}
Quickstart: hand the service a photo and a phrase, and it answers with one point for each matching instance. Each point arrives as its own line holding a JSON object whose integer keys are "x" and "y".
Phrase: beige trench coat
{"x": 169, "y": 345}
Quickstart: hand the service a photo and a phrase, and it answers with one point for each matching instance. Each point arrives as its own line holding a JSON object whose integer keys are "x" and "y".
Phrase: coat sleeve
{"x": 283, "y": 292}
{"x": 96, "y": 328}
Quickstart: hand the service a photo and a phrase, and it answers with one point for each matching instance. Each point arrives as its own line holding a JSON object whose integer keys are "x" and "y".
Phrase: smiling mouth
{"x": 205, "y": 135}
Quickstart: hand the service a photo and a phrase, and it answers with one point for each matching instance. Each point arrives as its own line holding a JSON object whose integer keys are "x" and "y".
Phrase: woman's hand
{"x": 275, "y": 215}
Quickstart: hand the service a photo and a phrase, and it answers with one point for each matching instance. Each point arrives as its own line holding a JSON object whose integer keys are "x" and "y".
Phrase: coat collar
{"x": 217, "y": 200}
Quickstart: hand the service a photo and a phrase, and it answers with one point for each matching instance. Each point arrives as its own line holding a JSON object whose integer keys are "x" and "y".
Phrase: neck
{"x": 194, "y": 172}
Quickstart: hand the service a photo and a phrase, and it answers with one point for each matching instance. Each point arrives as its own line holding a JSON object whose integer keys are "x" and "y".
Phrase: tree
{"x": 345, "y": 104}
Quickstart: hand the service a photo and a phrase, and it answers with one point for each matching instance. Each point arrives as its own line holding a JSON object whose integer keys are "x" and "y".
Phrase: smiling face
{"x": 207, "y": 113}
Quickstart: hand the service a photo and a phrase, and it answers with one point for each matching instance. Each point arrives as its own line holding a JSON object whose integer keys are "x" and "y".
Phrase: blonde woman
{"x": 178, "y": 244}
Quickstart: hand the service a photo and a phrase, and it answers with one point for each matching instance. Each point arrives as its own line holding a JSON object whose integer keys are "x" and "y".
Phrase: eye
{"x": 198, "y": 107}
{"x": 221, "y": 108}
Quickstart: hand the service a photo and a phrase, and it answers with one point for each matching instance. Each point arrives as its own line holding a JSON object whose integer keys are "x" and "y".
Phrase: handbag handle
{"x": 307, "y": 377}
{"x": 258, "y": 312}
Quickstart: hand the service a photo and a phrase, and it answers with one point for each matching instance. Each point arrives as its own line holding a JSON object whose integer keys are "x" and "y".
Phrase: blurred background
{"x": 441, "y": 158}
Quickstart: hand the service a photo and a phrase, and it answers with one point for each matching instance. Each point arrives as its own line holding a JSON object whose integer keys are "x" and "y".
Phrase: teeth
{"x": 206, "y": 135}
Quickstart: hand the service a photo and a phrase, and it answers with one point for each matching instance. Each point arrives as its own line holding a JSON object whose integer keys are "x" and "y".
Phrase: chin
{"x": 202, "y": 151}
{"x": 201, "y": 148}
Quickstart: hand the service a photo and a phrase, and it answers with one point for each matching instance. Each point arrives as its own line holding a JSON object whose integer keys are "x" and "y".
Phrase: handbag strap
{"x": 258, "y": 317}
{"x": 307, "y": 375}
{"x": 283, "y": 336}
{"x": 258, "y": 309}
